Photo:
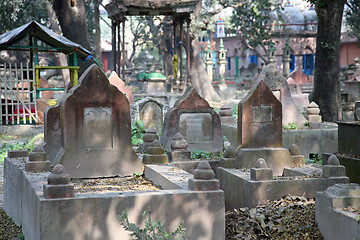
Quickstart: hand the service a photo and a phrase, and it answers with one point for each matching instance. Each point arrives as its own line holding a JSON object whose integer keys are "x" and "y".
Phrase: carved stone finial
{"x": 204, "y": 171}
{"x": 333, "y": 160}
{"x": 261, "y": 163}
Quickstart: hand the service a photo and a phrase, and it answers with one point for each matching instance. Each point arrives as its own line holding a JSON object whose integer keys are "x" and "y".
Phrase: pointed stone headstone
{"x": 260, "y": 115}
{"x": 196, "y": 121}
{"x": 279, "y": 86}
{"x": 96, "y": 129}
{"x": 120, "y": 84}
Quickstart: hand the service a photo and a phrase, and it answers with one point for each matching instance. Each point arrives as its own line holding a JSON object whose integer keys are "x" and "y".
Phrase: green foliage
{"x": 152, "y": 231}
{"x": 253, "y": 23}
{"x": 352, "y": 17}
{"x": 137, "y": 132}
{"x": 21, "y": 236}
{"x": 137, "y": 174}
{"x": 14, "y": 13}
{"x": 27, "y": 144}
{"x": 235, "y": 111}
{"x": 196, "y": 154}
{"x": 307, "y": 124}
{"x": 290, "y": 125}
{"x": 358, "y": 219}
{"x": 314, "y": 158}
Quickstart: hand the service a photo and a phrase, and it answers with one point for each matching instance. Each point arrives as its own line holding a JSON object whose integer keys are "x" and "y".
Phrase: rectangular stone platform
{"x": 95, "y": 216}
{"x": 240, "y": 191}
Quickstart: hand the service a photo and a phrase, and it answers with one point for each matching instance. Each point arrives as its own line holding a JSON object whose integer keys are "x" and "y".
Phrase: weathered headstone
{"x": 260, "y": 116}
{"x": 196, "y": 121}
{"x": 52, "y": 132}
{"x": 96, "y": 129}
{"x": 150, "y": 111}
{"x": 117, "y": 82}
{"x": 279, "y": 86}
{"x": 260, "y": 130}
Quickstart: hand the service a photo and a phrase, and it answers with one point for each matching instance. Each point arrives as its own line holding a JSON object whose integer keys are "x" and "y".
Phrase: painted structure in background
{"x": 301, "y": 28}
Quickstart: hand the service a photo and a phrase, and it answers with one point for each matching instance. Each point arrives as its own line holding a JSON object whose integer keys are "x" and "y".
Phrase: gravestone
{"x": 95, "y": 129}
{"x": 117, "y": 82}
{"x": 260, "y": 130}
{"x": 150, "y": 111}
{"x": 52, "y": 132}
{"x": 260, "y": 116}
{"x": 196, "y": 121}
{"x": 280, "y": 88}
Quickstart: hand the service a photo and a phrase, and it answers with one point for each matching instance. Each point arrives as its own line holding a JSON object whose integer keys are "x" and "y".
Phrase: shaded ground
{"x": 286, "y": 218}
{"x": 290, "y": 217}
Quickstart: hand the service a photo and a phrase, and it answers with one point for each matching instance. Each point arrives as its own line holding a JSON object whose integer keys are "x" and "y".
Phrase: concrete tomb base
{"x": 240, "y": 191}
{"x": 332, "y": 218}
{"x": 95, "y": 216}
{"x": 276, "y": 158}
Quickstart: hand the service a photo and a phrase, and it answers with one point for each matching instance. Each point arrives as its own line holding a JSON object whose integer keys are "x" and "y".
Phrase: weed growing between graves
{"x": 137, "y": 132}
{"x": 314, "y": 158}
{"x": 196, "y": 154}
{"x": 17, "y": 143}
{"x": 290, "y": 125}
{"x": 152, "y": 230}
{"x": 235, "y": 111}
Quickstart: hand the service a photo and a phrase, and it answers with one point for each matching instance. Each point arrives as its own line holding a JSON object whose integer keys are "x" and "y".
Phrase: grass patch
{"x": 9, "y": 143}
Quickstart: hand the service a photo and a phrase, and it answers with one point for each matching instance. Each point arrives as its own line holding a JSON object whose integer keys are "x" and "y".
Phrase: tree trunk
{"x": 199, "y": 77}
{"x": 56, "y": 28}
{"x": 326, "y": 92}
{"x": 97, "y": 30}
{"x": 166, "y": 46}
{"x": 72, "y": 19}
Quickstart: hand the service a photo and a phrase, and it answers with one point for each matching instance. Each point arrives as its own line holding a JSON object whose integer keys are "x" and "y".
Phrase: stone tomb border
{"x": 95, "y": 216}
{"x": 240, "y": 191}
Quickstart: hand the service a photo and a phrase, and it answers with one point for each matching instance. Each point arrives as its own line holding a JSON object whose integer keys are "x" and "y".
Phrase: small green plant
{"x": 137, "y": 174}
{"x": 21, "y": 236}
{"x": 196, "y": 154}
{"x": 200, "y": 154}
{"x": 137, "y": 132}
{"x": 235, "y": 112}
{"x": 290, "y": 125}
{"x": 307, "y": 124}
{"x": 314, "y": 158}
{"x": 152, "y": 231}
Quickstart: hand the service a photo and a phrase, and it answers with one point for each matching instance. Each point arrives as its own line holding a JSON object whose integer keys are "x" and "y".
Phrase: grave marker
{"x": 196, "y": 121}
{"x": 95, "y": 129}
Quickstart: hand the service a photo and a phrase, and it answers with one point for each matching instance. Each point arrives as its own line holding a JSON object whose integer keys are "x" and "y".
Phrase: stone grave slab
{"x": 196, "y": 121}
{"x": 96, "y": 129}
{"x": 150, "y": 111}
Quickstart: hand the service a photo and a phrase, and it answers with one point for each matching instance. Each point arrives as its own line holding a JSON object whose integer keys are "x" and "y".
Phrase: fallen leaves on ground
{"x": 8, "y": 229}
{"x": 290, "y": 217}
